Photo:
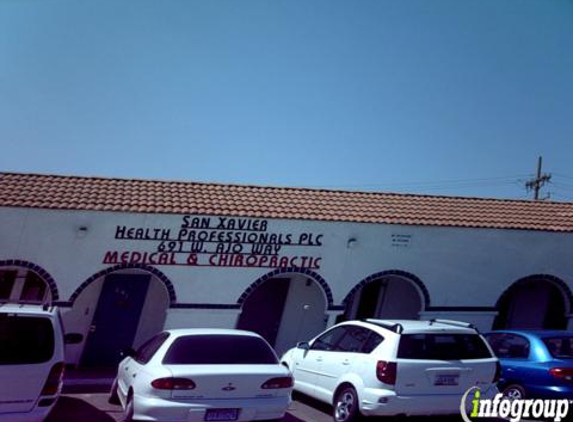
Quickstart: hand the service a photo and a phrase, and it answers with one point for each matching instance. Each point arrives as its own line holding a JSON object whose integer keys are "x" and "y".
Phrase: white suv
{"x": 31, "y": 361}
{"x": 387, "y": 367}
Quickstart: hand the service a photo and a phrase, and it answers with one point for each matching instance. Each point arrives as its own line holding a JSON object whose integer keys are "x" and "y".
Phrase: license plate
{"x": 222, "y": 415}
{"x": 446, "y": 380}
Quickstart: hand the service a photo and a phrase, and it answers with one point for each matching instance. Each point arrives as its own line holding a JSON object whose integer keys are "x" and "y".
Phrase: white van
{"x": 31, "y": 361}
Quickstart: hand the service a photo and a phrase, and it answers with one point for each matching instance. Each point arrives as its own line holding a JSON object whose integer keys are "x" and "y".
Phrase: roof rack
{"x": 453, "y": 323}
{"x": 395, "y": 327}
{"x": 11, "y": 302}
{"x": 45, "y": 305}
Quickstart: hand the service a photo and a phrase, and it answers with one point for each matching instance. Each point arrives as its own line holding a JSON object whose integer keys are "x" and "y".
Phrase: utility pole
{"x": 538, "y": 182}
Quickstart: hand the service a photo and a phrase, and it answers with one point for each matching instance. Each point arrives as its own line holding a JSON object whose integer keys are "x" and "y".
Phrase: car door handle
{"x": 319, "y": 359}
{"x": 346, "y": 362}
{"x": 510, "y": 370}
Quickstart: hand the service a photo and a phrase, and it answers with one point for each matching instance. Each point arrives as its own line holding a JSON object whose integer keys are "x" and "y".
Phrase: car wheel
{"x": 113, "y": 397}
{"x": 514, "y": 392}
{"x": 346, "y": 405}
{"x": 128, "y": 412}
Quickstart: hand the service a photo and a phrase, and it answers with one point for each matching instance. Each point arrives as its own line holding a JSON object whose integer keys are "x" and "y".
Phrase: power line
{"x": 561, "y": 185}
{"x": 563, "y": 175}
{"x": 438, "y": 184}
{"x": 564, "y": 197}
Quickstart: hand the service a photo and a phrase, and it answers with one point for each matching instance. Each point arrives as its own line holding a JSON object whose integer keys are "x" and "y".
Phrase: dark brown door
{"x": 263, "y": 309}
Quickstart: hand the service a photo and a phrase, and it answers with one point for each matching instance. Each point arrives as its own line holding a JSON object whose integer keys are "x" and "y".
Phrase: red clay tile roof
{"x": 148, "y": 196}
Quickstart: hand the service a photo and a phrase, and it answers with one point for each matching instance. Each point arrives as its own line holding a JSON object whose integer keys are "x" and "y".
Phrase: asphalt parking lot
{"x": 93, "y": 407}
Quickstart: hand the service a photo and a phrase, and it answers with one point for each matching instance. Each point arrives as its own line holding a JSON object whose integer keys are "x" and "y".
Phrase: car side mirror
{"x": 73, "y": 338}
{"x": 129, "y": 352}
{"x": 304, "y": 345}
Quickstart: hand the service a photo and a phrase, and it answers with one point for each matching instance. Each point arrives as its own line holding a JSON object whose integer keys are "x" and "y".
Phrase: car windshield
{"x": 442, "y": 347}
{"x": 218, "y": 350}
{"x": 560, "y": 347}
{"x": 25, "y": 339}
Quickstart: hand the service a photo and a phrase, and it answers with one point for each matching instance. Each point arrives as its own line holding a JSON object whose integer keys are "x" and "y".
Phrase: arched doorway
{"x": 534, "y": 302}
{"x": 284, "y": 309}
{"x": 24, "y": 282}
{"x": 117, "y": 310}
{"x": 386, "y": 295}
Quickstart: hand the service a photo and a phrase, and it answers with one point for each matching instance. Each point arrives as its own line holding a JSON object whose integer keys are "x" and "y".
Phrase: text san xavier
{"x": 224, "y": 223}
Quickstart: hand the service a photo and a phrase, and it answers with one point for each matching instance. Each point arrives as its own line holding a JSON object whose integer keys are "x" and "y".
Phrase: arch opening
{"x": 534, "y": 302}
{"x": 116, "y": 310}
{"x": 24, "y": 282}
{"x": 388, "y": 295}
{"x": 284, "y": 310}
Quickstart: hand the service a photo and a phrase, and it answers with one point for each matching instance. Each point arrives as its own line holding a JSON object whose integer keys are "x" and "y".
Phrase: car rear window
{"x": 218, "y": 350}
{"x": 25, "y": 340}
{"x": 509, "y": 345}
{"x": 442, "y": 347}
{"x": 560, "y": 347}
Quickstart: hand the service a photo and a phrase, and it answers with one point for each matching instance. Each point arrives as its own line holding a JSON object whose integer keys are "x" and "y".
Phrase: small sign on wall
{"x": 400, "y": 240}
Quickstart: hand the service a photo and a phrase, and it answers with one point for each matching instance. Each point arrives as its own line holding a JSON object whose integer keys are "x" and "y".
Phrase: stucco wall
{"x": 460, "y": 267}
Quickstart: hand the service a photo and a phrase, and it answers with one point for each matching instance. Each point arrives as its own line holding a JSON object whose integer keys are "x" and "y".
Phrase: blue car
{"x": 535, "y": 364}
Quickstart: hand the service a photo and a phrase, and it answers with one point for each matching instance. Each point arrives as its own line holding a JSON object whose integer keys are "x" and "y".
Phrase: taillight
{"x": 172, "y": 383}
{"x": 386, "y": 372}
{"x": 54, "y": 380}
{"x": 497, "y": 375}
{"x": 562, "y": 373}
{"x": 279, "y": 382}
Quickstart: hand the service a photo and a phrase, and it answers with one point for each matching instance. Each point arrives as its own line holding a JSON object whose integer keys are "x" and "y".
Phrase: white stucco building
{"x": 124, "y": 259}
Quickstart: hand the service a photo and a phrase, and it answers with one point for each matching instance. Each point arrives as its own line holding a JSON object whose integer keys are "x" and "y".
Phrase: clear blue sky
{"x": 453, "y": 97}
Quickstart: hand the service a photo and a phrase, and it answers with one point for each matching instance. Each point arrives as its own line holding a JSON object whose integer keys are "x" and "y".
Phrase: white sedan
{"x": 203, "y": 375}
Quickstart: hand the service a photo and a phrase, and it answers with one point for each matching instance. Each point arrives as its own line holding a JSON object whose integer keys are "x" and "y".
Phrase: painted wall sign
{"x": 401, "y": 240}
{"x": 217, "y": 242}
